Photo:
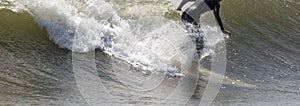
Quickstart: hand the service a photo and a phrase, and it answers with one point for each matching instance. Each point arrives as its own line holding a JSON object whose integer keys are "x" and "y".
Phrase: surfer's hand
{"x": 178, "y": 9}
{"x": 227, "y": 32}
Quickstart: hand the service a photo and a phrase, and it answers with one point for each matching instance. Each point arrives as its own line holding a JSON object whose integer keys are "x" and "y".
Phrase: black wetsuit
{"x": 213, "y": 5}
{"x": 192, "y": 22}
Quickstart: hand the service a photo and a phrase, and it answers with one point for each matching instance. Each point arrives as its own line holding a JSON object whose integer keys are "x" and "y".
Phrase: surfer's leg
{"x": 200, "y": 43}
{"x": 199, "y": 40}
{"x": 195, "y": 31}
{"x": 189, "y": 24}
{"x": 187, "y": 21}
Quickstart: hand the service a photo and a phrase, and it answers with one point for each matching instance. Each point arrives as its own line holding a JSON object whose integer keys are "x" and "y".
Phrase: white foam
{"x": 146, "y": 39}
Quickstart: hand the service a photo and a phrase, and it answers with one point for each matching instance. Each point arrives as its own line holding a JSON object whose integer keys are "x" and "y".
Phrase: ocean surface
{"x": 137, "y": 52}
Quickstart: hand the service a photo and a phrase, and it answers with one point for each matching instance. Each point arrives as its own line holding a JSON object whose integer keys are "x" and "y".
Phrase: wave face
{"x": 130, "y": 30}
{"x": 264, "y": 49}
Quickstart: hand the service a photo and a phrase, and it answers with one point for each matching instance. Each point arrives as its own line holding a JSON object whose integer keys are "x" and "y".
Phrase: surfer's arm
{"x": 183, "y": 2}
{"x": 218, "y": 18}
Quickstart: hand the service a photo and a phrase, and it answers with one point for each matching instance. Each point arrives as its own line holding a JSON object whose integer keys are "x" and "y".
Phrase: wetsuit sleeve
{"x": 217, "y": 15}
{"x": 183, "y": 3}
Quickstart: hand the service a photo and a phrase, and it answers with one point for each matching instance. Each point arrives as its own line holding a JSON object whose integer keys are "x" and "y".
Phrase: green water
{"x": 264, "y": 50}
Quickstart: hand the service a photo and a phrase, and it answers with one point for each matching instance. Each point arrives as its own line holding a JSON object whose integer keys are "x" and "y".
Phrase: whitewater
{"x": 136, "y": 31}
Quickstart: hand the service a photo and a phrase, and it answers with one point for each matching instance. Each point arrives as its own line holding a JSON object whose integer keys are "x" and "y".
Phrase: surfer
{"x": 190, "y": 17}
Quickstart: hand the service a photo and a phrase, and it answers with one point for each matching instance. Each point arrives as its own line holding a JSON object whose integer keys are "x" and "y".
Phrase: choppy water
{"x": 37, "y": 44}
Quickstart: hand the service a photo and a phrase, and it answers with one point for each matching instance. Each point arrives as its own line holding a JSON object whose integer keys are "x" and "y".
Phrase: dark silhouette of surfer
{"x": 190, "y": 17}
